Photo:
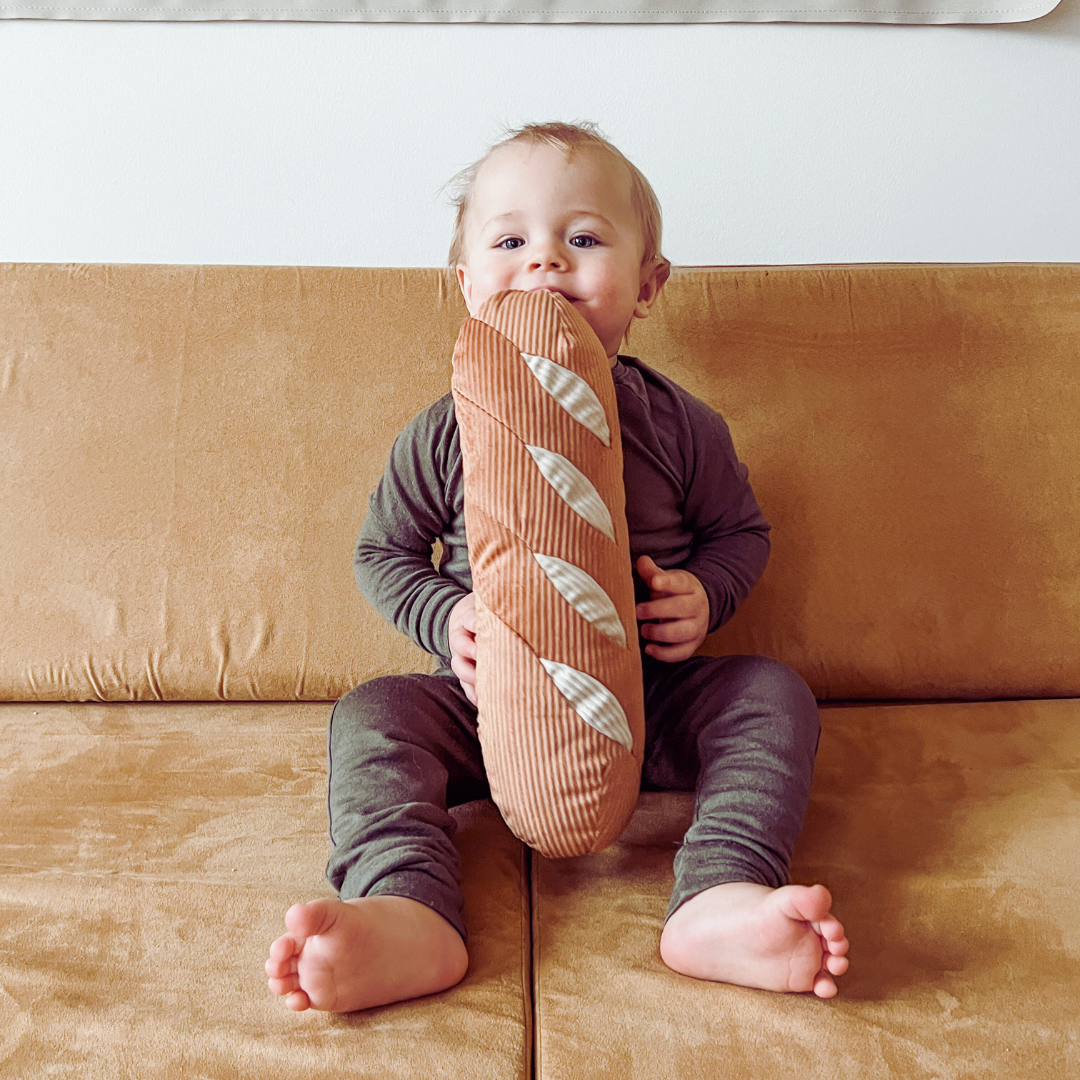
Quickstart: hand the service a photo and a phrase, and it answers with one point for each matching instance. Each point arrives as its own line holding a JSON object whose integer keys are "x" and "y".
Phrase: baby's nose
{"x": 549, "y": 261}
{"x": 548, "y": 256}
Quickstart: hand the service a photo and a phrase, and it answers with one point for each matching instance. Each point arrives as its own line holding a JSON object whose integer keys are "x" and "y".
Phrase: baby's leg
{"x": 400, "y": 750}
{"x": 747, "y": 728}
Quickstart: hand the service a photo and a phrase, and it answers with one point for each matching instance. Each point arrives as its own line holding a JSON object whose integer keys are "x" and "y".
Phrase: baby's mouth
{"x": 565, "y": 295}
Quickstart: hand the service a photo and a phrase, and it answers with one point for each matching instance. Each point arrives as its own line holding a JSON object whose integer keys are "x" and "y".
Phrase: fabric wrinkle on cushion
{"x": 561, "y": 717}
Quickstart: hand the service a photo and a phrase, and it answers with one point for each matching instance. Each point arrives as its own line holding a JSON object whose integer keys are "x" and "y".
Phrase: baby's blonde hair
{"x": 569, "y": 138}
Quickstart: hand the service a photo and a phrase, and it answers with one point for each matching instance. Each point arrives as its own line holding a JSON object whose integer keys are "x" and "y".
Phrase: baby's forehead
{"x": 509, "y": 170}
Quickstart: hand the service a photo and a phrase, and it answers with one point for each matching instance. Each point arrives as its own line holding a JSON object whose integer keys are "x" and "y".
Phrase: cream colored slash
{"x": 584, "y": 595}
{"x": 592, "y": 701}
{"x": 572, "y": 392}
{"x": 574, "y": 487}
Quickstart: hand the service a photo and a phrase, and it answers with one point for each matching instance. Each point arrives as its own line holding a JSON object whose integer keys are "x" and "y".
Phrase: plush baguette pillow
{"x": 558, "y": 672}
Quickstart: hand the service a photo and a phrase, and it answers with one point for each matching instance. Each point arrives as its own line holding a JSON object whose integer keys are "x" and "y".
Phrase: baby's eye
{"x": 510, "y": 243}
{"x": 584, "y": 241}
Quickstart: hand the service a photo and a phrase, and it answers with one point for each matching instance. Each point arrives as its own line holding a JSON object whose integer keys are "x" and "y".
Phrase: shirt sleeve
{"x": 408, "y": 511}
{"x": 731, "y": 535}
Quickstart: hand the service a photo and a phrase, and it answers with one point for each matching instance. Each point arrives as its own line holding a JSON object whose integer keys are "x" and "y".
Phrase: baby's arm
{"x": 692, "y": 593}
{"x": 415, "y": 503}
{"x": 731, "y": 535}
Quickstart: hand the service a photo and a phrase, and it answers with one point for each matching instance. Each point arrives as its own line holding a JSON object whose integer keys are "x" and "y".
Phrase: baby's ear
{"x": 662, "y": 272}
{"x": 464, "y": 284}
{"x": 651, "y": 285}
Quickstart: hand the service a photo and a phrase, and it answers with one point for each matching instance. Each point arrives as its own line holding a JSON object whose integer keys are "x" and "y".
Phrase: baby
{"x": 558, "y": 207}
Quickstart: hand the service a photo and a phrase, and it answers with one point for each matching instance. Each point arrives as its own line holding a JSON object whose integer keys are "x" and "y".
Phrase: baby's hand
{"x": 462, "y": 637}
{"x": 681, "y": 607}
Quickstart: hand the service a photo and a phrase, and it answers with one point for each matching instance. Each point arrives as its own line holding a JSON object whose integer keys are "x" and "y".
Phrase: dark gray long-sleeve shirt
{"x": 688, "y": 505}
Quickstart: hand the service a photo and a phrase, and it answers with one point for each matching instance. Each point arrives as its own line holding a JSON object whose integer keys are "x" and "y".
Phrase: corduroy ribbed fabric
{"x": 553, "y": 674}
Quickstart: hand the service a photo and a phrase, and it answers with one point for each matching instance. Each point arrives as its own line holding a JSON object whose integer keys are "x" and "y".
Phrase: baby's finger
{"x": 650, "y": 572}
{"x": 463, "y": 668}
{"x": 463, "y": 644}
{"x": 672, "y": 633}
{"x": 679, "y": 606}
{"x": 672, "y": 654}
{"x": 680, "y": 582}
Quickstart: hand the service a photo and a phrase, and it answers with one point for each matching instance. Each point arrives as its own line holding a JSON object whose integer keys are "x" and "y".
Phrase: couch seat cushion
{"x": 949, "y": 835}
{"x": 148, "y": 855}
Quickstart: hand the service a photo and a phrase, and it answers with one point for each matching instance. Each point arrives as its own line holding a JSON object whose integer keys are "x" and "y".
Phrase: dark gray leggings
{"x": 740, "y": 730}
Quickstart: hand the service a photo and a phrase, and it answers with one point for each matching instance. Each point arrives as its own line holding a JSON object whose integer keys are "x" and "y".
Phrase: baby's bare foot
{"x": 342, "y": 955}
{"x": 774, "y": 939}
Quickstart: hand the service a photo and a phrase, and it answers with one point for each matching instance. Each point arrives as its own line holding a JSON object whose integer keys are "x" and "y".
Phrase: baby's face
{"x": 539, "y": 221}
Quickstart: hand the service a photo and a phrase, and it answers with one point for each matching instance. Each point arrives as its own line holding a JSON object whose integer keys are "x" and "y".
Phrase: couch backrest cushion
{"x": 913, "y": 435}
{"x": 186, "y": 454}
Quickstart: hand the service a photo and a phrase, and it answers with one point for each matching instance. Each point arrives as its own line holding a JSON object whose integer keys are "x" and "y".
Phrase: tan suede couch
{"x": 185, "y": 458}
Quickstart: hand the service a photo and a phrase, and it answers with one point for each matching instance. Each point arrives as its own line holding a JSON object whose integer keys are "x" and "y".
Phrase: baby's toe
{"x": 838, "y": 948}
{"x": 805, "y": 903}
{"x": 310, "y": 919}
{"x": 832, "y": 932}
{"x": 829, "y": 925}
{"x": 824, "y": 987}
{"x": 282, "y": 959}
{"x": 836, "y": 965}
{"x": 298, "y": 1001}
{"x": 282, "y": 986}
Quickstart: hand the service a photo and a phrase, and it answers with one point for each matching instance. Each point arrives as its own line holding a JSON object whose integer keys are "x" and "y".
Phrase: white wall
{"x": 327, "y": 144}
